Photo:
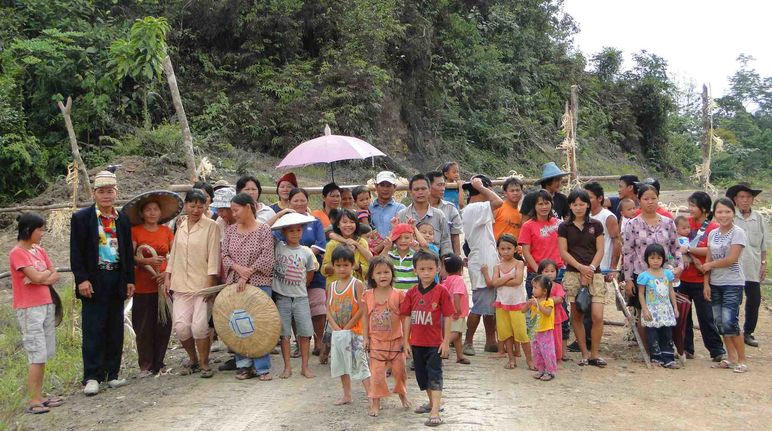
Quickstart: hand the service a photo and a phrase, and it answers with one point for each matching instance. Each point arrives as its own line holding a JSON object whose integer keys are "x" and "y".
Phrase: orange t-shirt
{"x": 161, "y": 241}
{"x": 322, "y": 216}
{"x": 507, "y": 220}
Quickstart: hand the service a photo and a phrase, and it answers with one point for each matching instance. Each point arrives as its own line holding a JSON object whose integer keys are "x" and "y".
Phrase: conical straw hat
{"x": 247, "y": 322}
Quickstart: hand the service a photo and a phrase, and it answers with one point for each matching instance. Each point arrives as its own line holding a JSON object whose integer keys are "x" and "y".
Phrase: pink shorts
{"x": 317, "y": 299}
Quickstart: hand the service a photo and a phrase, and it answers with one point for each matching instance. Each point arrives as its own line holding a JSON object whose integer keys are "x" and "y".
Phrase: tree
{"x": 144, "y": 56}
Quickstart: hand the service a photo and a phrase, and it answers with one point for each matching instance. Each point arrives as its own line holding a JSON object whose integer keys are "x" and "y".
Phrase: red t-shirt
{"x": 161, "y": 242}
{"x": 426, "y": 310}
{"x": 542, "y": 236}
{"x": 455, "y": 285}
{"x": 691, "y": 274}
{"x": 26, "y": 294}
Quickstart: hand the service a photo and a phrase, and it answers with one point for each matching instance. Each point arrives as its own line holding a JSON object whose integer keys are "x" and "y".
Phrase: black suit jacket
{"x": 84, "y": 252}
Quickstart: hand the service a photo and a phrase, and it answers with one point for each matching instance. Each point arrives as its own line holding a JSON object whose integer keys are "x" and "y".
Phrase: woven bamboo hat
{"x": 170, "y": 203}
{"x": 247, "y": 322}
{"x": 292, "y": 219}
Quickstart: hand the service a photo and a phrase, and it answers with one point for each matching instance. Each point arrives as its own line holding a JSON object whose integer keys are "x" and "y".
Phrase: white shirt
{"x": 602, "y": 217}
{"x": 478, "y": 231}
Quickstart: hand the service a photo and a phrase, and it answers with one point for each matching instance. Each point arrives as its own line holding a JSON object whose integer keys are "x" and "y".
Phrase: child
{"x": 549, "y": 269}
{"x": 658, "y": 306}
{"x": 427, "y": 311}
{"x": 382, "y": 329}
{"x": 347, "y": 199}
{"x": 293, "y": 272}
{"x": 627, "y": 209}
{"x": 453, "y": 267}
{"x": 345, "y": 231}
{"x": 427, "y": 230}
{"x": 403, "y": 236}
{"x": 348, "y": 358}
{"x": 544, "y": 342}
{"x": 683, "y": 229}
{"x": 362, "y": 198}
{"x": 452, "y": 176}
{"x": 511, "y": 299}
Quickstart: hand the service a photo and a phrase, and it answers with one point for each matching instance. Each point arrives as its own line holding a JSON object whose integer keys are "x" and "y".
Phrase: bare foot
{"x": 510, "y": 365}
{"x": 499, "y": 355}
{"x": 405, "y": 402}
{"x": 375, "y": 407}
{"x": 531, "y": 367}
{"x": 286, "y": 374}
{"x": 307, "y": 373}
{"x": 343, "y": 401}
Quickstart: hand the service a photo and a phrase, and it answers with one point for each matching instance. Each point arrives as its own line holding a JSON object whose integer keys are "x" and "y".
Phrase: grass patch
{"x": 63, "y": 372}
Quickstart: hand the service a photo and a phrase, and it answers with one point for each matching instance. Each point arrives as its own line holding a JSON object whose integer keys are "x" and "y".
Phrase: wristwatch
{"x": 593, "y": 267}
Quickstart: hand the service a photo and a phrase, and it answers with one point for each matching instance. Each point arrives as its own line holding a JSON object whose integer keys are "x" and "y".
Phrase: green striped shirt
{"x": 404, "y": 274}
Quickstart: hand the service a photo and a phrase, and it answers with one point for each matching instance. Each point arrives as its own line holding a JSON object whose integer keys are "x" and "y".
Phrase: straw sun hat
{"x": 170, "y": 203}
{"x": 292, "y": 219}
{"x": 247, "y": 322}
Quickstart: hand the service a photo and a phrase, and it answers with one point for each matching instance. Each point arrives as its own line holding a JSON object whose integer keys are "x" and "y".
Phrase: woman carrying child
{"x": 658, "y": 306}
{"x": 382, "y": 333}
{"x": 511, "y": 300}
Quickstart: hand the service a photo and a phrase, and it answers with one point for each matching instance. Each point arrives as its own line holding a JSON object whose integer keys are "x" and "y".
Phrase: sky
{"x": 699, "y": 39}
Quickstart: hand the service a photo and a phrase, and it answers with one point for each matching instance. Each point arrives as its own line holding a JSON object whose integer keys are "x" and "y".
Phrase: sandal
{"x": 673, "y": 365}
{"x": 206, "y": 373}
{"x": 187, "y": 369}
{"x": 538, "y": 375}
{"x": 433, "y": 421}
{"x": 53, "y": 402}
{"x": 265, "y": 377}
{"x": 547, "y": 377}
{"x": 245, "y": 374}
{"x": 724, "y": 364}
{"x": 463, "y": 361}
{"x": 597, "y": 362}
{"x": 741, "y": 368}
{"x": 583, "y": 362}
{"x": 36, "y": 409}
{"x": 424, "y": 408}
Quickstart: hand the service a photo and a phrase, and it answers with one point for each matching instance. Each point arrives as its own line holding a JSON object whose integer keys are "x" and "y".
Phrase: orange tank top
{"x": 344, "y": 304}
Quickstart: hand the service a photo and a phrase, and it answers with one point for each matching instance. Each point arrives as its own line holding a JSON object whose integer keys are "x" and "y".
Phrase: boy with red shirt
{"x": 427, "y": 312}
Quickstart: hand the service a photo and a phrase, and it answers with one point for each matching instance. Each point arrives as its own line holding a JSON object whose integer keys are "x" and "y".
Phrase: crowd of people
{"x": 374, "y": 288}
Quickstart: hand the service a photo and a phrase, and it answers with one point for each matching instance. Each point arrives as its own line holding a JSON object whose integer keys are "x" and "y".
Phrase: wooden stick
{"x": 631, "y": 321}
{"x": 53, "y": 206}
{"x": 187, "y": 137}
{"x": 79, "y": 165}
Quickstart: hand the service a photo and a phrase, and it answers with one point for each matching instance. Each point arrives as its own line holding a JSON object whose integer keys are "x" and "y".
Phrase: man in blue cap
{"x": 551, "y": 180}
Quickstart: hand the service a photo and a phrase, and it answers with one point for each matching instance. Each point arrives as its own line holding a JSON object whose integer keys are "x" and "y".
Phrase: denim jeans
{"x": 726, "y": 308}
{"x": 262, "y": 364}
{"x": 710, "y": 337}
{"x": 661, "y": 344}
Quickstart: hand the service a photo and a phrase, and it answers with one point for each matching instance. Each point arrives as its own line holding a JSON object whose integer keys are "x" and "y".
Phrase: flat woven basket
{"x": 247, "y": 322}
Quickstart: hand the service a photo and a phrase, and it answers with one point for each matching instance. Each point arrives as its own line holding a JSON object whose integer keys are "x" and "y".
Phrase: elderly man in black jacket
{"x": 102, "y": 261}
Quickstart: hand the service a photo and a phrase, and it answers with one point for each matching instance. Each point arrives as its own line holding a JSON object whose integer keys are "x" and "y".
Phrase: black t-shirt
{"x": 559, "y": 204}
{"x": 581, "y": 243}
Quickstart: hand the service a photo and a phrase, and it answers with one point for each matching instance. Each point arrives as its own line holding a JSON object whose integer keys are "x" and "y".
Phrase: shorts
{"x": 38, "y": 332}
{"x": 294, "y": 308}
{"x": 317, "y": 301}
{"x": 348, "y": 355}
{"x": 597, "y": 288}
{"x": 190, "y": 314}
{"x": 428, "y": 367}
{"x": 511, "y": 323}
{"x": 482, "y": 302}
{"x": 458, "y": 325}
{"x": 725, "y": 301}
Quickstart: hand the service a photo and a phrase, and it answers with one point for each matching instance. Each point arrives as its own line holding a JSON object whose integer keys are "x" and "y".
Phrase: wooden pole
{"x": 187, "y": 137}
{"x": 706, "y": 146}
{"x": 79, "y": 165}
{"x": 631, "y": 322}
{"x": 573, "y": 111}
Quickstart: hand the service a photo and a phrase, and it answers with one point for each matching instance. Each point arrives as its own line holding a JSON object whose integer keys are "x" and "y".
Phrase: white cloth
{"x": 348, "y": 355}
{"x": 602, "y": 217}
{"x": 478, "y": 231}
{"x": 264, "y": 213}
{"x": 512, "y": 295}
{"x": 755, "y": 227}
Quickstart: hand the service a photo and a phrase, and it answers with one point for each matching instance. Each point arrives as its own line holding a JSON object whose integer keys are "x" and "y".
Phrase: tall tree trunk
{"x": 187, "y": 138}
{"x": 705, "y": 146}
{"x": 79, "y": 165}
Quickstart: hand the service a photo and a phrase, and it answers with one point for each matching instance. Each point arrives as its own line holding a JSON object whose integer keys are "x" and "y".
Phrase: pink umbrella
{"x": 328, "y": 149}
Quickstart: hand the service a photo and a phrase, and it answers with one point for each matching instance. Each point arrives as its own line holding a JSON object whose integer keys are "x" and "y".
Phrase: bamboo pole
{"x": 79, "y": 165}
{"x": 187, "y": 137}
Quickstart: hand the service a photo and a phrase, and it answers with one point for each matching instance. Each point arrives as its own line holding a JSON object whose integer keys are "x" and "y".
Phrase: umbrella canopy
{"x": 327, "y": 149}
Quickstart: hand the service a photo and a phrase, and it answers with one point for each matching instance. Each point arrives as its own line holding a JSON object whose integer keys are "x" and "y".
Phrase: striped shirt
{"x": 404, "y": 274}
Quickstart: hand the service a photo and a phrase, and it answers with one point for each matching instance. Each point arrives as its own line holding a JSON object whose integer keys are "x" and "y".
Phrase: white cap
{"x": 222, "y": 197}
{"x": 387, "y": 176}
{"x": 292, "y": 219}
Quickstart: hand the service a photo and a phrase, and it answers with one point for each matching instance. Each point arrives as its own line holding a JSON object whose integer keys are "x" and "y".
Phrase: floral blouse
{"x": 638, "y": 235}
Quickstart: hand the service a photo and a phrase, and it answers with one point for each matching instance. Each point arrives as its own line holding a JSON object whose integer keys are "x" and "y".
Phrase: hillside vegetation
{"x": 483, "y": 81}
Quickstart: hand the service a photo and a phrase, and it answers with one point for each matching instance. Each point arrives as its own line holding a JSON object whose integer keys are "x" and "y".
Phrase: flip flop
{"x": 583, "y": 362}
{"x": 424, "y": 408}
{"x": 546, "y": 377}
{"x": 463, "y": 361}
{"x": 246, "y": 374}
{"x": 206, "y": 373}
{"x": 597, "y": 362}
{"x": 265, "y": 377}
{"x": 53, "y": 402}
{"x": 36, "y": 409}
{"x": 724, "y": 364}
{"x": 433, "y": 421}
